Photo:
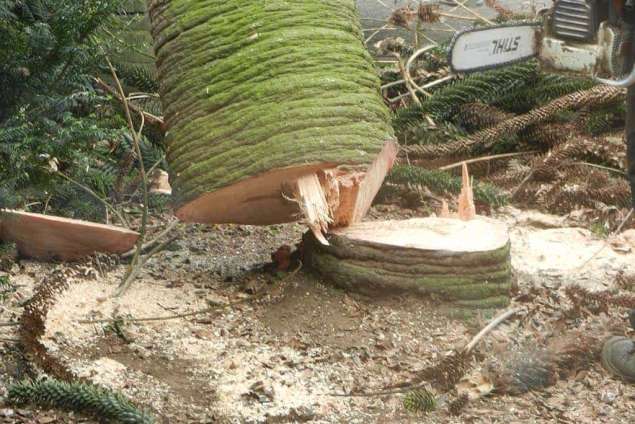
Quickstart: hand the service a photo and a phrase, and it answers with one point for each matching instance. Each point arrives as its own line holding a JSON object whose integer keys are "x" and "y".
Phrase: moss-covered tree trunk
{"x": 463, "y": 262}
{"x": 259, "y": 94}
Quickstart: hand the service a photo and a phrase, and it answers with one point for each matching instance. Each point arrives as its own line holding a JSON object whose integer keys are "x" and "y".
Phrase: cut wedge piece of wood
{"x": 466, "y": 209}
{"x": 465, "y": 262}
{"x": 307, "y": 192}
{"x": 49, "y": 237}
{"x": 159, "y": 183}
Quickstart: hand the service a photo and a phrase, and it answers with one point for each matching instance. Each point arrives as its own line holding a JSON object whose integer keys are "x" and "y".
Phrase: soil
{"x": 289, "y": 342}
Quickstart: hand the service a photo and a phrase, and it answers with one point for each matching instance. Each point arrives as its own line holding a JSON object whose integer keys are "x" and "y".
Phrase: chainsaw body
{"x": 583, "y": 37}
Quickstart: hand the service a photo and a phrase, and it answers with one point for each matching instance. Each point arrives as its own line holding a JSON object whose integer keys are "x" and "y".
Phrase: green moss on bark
{"x": 466, "y": 279}
{"x": 251, "y": 86}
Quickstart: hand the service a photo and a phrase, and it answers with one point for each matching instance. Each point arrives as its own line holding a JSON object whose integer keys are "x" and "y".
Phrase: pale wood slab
{"x": 49, "y": 237}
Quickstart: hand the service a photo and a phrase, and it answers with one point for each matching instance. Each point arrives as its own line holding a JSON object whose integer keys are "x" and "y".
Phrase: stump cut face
{"x": 464, "y": 262}
{"x": 431, "y": 234}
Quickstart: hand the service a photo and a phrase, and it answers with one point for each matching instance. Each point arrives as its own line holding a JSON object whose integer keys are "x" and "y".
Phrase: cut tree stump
{"x": 465, "y": 262}
{"x": 49, "y": 237}
{"x": 262, "y": 99}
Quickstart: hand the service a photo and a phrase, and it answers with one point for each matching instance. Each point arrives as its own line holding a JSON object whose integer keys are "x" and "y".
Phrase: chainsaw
{"x": 594, "y": 38}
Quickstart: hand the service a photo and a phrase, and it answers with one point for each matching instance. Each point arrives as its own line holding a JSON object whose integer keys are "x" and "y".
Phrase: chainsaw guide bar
{"x": 481, "y": 49}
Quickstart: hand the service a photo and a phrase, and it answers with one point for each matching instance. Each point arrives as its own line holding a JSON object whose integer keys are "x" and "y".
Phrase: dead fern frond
{"x": 546, "y": 136}
{"x": 522, "y": 370}
{"x": 563, "y": 198}
{"x": 576, "y": 351}
{"x": 512, "y": 176}
{"x": 546, "y": 169}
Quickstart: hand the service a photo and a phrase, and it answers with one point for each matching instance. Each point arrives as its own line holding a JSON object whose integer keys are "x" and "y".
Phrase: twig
{"x": 486, "y": 158}
{"x": 152, "y": 242}
{"x": 409, "y": 63}
{"x": 474, "y": 13}
{"x": 123, "y": 220}
{"x": 428, "y": 85}
{"x": 428, "y": 39}
{"x": 459, "y": 17}
{"x": 152, "y": 119}
{"x": 522, "y": 184}
{"x": 138, "y": 266}
{"x": 149, "y": 172}
{"x": 404, "y": 72}
{"x": 9, "y": 324}
{"x": 128, "y": 277}
{"x": 392, "y": 84}
{"x": 371, "y": 36}
{"x": 491, "y": 326}
{"x": 605, "y": 168}
{"x": 608, "y": 239}
{"x": 454, "y": 4}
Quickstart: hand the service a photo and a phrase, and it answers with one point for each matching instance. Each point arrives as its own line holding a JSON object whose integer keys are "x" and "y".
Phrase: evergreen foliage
{"x": 78, "y": 397}
{"x": 52, "y": 118}
{"x": 442, "y": 182}
{"x": 545, "y": 88}
{"x": 420, "y": 401}
{"x": 484, "y": 87}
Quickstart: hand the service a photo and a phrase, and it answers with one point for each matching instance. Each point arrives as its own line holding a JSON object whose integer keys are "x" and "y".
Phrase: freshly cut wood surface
{"x": 51, "y": 237}
{"x": 271, "y": 198}
{"x": 433, "y": 234}
{"x": 465, "y": 262}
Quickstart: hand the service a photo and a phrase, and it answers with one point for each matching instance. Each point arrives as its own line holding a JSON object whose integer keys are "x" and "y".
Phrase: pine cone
{"x": 457, "y": 406}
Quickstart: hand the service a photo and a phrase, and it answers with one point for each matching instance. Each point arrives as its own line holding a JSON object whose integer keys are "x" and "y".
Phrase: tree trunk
{"x": 465, "y": 262}
{"x": 259, "y": 95}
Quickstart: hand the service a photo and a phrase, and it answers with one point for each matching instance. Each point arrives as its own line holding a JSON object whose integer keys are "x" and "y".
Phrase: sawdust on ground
{"x": 280, "y": 358}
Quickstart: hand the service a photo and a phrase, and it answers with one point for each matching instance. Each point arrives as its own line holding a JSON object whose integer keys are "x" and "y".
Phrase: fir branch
{"x": 488, "y": 137}
{"x": 78, "y": 397}
{"x": 442, "y": 182}
{"x": 477, "y": 116}
{"x": 420, "y": 401}
{"x": 483, "y": 87}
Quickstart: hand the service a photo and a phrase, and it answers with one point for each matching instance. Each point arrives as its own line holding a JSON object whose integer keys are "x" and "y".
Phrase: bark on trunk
{"x": 259, "y": 94}
{"x": 465, "y": 262}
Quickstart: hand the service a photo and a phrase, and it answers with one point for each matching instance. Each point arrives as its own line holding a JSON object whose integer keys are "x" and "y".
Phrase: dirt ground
{"x": 278, "y": 347}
